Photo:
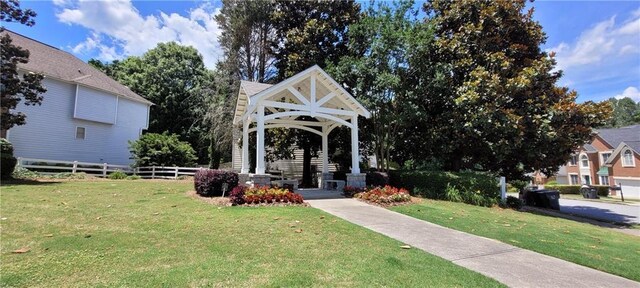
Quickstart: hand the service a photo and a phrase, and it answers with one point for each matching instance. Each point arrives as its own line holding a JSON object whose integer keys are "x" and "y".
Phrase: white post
{"x": 325, "y": 150}
{"x": 75, "y": 167}
{"x": 313, "y": 90}
{"x": 503, "y": 188}
{"x": 245, "y": 146}
{"x": 355, "y": 163}
{"x": 104, "y": 170}
{"x": 176, "y": 173}
{"x": 260, "y": 169}
{"x": 19, "y": 162}
{"x": 153, "y": 172}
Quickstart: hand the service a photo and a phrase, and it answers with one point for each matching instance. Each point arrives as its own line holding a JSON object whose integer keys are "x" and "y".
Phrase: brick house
{"x": 611, "y": 158}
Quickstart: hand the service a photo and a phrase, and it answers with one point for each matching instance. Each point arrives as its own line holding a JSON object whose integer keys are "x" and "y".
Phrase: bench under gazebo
{"x": 311, "y": 93}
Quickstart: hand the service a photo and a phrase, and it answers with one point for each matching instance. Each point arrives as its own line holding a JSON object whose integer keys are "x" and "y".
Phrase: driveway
{"x": 619, "y": 213}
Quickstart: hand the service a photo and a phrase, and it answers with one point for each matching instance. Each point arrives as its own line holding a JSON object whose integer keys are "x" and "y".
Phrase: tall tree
{"x": 14, "y": 87}
{"x": 310, "y": 33}
{"x": 170, "y": 76}
{"x": 625, "y": 112}
{"x": 247, "y": 34}
{"x": 375, "y": 70}
{"x": 505, "y": 112}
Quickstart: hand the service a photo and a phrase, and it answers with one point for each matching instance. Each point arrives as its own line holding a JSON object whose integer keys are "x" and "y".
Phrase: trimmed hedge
{"x": 469, "y": 187}
{"x": 575, "y": 189}
{"x": 377, "y": 179}
{"x": 209, "y": 182}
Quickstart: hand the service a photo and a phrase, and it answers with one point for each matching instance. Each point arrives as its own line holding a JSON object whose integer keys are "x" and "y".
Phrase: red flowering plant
{"x": 385, "y": 195}
{"x": 268, "y": 195}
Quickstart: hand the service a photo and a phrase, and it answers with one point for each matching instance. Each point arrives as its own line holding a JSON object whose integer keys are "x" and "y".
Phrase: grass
{"x": 581, "y": 243}
{"x": 149, "y": 233}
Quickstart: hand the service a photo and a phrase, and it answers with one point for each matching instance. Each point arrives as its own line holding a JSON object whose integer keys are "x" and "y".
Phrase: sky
{"x": 597, "y": 43}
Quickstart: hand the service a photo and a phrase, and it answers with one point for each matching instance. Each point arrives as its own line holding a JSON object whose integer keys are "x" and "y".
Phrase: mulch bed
{"x": 414, "y": 200}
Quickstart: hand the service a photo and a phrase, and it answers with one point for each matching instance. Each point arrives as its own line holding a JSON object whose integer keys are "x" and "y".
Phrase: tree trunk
{"x": 214, "y": 155}
{"x": 306, "y": 167}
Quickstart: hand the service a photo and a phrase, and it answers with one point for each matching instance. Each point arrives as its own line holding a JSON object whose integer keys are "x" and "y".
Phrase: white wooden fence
{"x": 48, "y": 167}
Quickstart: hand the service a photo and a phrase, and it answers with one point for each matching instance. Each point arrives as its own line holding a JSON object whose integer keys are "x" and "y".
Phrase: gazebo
{"x": 312, "y": 93}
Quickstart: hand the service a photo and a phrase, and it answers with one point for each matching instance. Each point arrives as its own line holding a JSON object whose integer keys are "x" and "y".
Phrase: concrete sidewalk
{"x": 510, "y": 265}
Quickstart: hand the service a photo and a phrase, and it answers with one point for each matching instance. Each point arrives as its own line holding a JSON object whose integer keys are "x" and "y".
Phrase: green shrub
{"x": 513, "y": 203}
{"x": 162, "y": 150}
{"x": 134, "y": 177}
{"x": 469, "y": 187}
{"x": 575, "y": 189}
{"x": 519, "y": 185}
{"x": 553, "y": 182}
{"x": 7, "y": 161}
{"x": 24, "y": 173}
{"x": 117, "y": 175}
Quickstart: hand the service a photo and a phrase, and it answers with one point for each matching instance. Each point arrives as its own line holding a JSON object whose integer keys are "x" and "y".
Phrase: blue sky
{"x": 597, "y": 43}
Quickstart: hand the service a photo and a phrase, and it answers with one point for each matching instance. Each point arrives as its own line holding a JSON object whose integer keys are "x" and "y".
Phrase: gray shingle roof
{"x": 253, "y": 88}
{"x": 616, "y": 136}
{"x": 59, "y": 64}
{"x": 589, "y": 148}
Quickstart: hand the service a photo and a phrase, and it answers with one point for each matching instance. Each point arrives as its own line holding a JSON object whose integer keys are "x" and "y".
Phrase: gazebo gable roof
{"x": 311, "y": 90}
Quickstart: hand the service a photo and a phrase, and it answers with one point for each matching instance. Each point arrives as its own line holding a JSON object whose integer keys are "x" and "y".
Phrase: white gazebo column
{"x": 245, "y": 147}
{"x": 326, "y": 175}
{"x": 355, "y": 178}
{"x": 259, "y": 178}
{"x": 260, "y": 169}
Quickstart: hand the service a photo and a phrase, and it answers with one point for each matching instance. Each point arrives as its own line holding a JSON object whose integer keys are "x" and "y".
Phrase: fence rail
{"x": 47, "y": 167}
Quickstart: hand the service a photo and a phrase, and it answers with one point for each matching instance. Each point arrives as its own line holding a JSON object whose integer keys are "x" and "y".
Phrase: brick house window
{"x": 604, "y": 180}
{"x": 627, "y": 158}
{"x": 574, "y": 179}
{"x": 574, "y": 160}
{"x": 584, "y": 161}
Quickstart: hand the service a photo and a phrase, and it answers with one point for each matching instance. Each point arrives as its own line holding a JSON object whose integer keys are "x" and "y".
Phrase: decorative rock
{"x": 357, "y": 180}
{"x": 260, "y": 179}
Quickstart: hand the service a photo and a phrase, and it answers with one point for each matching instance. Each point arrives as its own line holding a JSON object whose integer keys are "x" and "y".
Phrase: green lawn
{"x": 144, "y": 233}
{"x": 584, "y": 244}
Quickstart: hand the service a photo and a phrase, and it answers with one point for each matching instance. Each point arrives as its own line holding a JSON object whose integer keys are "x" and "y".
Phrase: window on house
{"x": 584, "y": 160}
{"x": 586, "y": 180}
{"x": 574, "y": 160}
{"x": 574, "y": 179}
{"x": 627, "y": 158}
{"x": 80, "y": 132}
{"x": 605, "y": 157}
{"x": 604, "y": 180}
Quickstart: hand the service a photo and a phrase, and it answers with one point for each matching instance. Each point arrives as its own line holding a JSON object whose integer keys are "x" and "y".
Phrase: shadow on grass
{"x": 577, "y": 218}
{"x": 9, "y": 182}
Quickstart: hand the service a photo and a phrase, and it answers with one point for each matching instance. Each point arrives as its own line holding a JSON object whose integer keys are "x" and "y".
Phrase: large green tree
{"x": 625, "y": 112}
{"x": 309, "y": 33}
{"x": 504, "y": 111}
{"x": 376, "y": 69}
{"x": 172, "y": 77}
{"x": 16, "y": 87}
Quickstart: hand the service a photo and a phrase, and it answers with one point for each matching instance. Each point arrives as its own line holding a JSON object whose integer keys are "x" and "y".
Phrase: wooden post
{"x": 621, "y": 195}
{"x": 104, "y": 170}
{"x": 75, "y": 167}
{"x": 153, "y": 172}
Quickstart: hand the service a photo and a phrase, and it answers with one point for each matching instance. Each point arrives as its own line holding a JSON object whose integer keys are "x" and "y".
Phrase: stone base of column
{"x": 260, "y": 180}
{"x": 323, "y": 178}
{"x": 243, "y": 179}
{"x": 357, "y": 180}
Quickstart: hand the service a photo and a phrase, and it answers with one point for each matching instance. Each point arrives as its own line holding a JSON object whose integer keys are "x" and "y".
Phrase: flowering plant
{"x": 385, "y": 195}
{"x": 256, "y": 195}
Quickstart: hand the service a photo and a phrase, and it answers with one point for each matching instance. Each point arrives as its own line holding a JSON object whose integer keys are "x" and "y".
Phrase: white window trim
{"x": 584, "y": 178}
{"x": 580, "y": 160}
{"x": 76, "y": 133}
{"x": 600, "y": 154}
{"x": 600, "y": 180}
{"x": 633, "y": 160}
{"x": 577, "y": 176}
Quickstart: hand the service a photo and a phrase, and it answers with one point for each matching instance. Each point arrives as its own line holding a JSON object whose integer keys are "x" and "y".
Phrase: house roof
{"x": 55, "y": 63}
{"x": 589, "y": 148}
{"x": 633, "y": 145}
{"x": 252, "y": 93}
{"x": 615, "y": 136}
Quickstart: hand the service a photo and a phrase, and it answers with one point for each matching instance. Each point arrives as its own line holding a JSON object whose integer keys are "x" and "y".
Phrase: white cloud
{"x": 604, "y": 40}
{"x": 631, "y": 92}
{"x": 133, "y": 33}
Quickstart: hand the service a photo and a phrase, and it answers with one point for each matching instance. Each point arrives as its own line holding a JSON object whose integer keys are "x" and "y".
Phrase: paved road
{"x": 510, "y": 265}
{"x": 605, "y": 211}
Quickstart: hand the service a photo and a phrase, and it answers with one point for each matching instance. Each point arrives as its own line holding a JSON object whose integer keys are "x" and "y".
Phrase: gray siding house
{"x": 85, "y": 115}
